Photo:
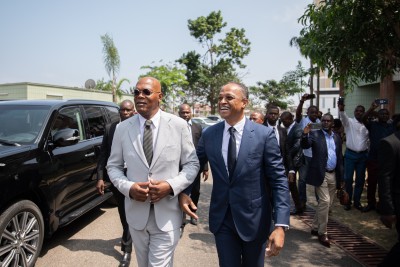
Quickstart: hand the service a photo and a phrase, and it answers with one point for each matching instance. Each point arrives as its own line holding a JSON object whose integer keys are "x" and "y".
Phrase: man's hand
{"x": 374, "y": 105}
{"x": 100, "y": 187}
{"x": 307, "y": 129}
{"x": 158, "y": 190}
{"x": 139, "y": 191}
{"x": 304, "y": 97}
{"x": 275, "y": 242}
{"x": 187, "y": 205}
{"x": 205, "y": 175}
{"x": 340, "y": 106}
{"x": 388, "y": 220}
{"x": 292, "y": 177}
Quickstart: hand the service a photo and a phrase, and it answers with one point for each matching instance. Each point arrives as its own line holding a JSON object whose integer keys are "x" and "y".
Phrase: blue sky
{"x": 58, "y": 42}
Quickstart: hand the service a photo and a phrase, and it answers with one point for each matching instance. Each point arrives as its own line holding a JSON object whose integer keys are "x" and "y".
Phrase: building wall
{"x": 43, "y": 91}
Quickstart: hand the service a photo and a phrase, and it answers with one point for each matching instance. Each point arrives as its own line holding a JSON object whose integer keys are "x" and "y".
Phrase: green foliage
{"x": 353, "y": 40}
{"x": 206, "y": 74}
{"x": 275, "y": 93}
{"x": 111, "y": 61}
{"x": 107, "y": 86}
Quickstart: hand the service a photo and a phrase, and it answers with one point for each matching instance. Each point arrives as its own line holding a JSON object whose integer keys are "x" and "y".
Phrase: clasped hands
{"x": 152, "y": 190}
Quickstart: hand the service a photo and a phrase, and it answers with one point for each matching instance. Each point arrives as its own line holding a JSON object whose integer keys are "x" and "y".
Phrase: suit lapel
{"x": 162, "y": 138}
{"x": 134, "y": 134}
{"x": 245, "y": 148}
{"x": 217, "y": 147}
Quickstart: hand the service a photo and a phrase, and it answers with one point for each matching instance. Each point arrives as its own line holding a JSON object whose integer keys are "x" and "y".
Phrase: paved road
{"x": 94, "y": 241}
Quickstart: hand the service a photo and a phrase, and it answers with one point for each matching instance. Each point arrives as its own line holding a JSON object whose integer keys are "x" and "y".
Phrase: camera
{"x": 310, "y": 96}
{"x": 315, "y": 126}
{"x": 381, "y": 101}
{"x": 341, "y": 101}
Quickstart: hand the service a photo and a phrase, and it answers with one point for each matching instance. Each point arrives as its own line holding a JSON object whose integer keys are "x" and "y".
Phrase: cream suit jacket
{"x": 172, "y": 149}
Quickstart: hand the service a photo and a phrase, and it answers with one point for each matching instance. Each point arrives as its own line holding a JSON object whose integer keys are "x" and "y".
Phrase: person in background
{"x": 271, "y": 119}
{"x": 244, "y": 157}
{"x": 185, "y": 112}
{"x": 377, "y": 130}
{"x": 257, "y": 117}
{"x": 389, "y": 188}
{"x": 325, "y": 172}
{"x": 294, "y": 157}
{"x": 356, "y": 154}
{"x": 161, "y": 161}
{"x": 126, "y": 110}
{"x": 312, "y": 117}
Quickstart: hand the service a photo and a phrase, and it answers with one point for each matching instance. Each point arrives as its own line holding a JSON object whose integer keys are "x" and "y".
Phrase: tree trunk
{"x": 387, "y": 90}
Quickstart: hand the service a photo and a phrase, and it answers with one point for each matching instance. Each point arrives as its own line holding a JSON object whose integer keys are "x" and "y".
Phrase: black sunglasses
{"x": 145, "y": 92}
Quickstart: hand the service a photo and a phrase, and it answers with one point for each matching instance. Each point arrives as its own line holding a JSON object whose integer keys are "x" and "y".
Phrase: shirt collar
{"x": 155, "y": 119}
{"x": 238, "y": 126}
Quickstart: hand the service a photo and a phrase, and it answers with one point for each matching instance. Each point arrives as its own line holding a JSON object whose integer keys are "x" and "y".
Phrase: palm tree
{"x": 111, "y": 61}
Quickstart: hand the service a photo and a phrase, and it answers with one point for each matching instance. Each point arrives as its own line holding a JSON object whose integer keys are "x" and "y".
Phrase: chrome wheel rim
{"x": 19, "y": 240}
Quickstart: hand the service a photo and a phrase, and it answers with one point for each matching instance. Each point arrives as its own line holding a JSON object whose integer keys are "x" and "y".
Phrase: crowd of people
{"x": 155, "y": 161}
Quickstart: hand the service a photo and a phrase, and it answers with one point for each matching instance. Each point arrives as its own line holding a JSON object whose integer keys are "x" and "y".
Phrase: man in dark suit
{"x": 294, "y": 157}
{"x": 389, "y": 188}
{"x": 271, "y": 118}
{"x": 244, "y": 157}
{"x": 325, "y": 171}
{"x": 126, "y": 110}
{"x": 185, "y": 112}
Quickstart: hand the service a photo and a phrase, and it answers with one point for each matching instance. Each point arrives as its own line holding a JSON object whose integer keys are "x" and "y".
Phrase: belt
{"x": 359, "y": 152}
{"x": 330, "y": 171}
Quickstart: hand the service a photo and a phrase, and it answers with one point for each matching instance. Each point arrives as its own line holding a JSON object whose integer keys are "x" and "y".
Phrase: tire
{"x": 21, "y": 234}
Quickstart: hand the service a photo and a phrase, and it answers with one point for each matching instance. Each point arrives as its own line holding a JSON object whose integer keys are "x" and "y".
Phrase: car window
{"x": 95, "y": 120}
{"x": 69, "y": 117}
{"x": 20, "y": 123}
{"x": 113, "y": 114}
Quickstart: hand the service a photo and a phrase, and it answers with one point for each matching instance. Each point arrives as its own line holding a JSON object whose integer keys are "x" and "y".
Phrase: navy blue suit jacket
{"x": 259, "y": 162}
{"x": 316, "y": 170}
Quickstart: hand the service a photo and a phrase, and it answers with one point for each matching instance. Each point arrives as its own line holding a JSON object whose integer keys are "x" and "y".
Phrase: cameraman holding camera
{"x": 377, "y": 131}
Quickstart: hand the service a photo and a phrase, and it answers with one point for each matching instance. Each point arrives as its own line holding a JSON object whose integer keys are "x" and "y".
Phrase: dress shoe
{"x": 323, "y": 240}
{"x": 358, "y": 207}
{"x": 193, "y": 221}
{"x": 368, "y": 208}
{"x": 126, "y": 260}
{"x": 347, "y": 207}
{"x": 314, "y": 232}
{"x": 296, "y": 212}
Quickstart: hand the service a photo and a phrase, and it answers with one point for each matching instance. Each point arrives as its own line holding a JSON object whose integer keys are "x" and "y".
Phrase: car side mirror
{"x": 66, "y": 137}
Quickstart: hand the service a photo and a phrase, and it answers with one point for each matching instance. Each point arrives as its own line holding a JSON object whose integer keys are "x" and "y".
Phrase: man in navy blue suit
{"x": 325, "y": 171}
{"x": 244, "y": 159}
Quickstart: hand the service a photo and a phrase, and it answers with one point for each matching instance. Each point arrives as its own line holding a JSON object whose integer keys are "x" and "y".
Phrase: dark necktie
{"x": 231, "y": 152}
{"x": 148, "y": 142}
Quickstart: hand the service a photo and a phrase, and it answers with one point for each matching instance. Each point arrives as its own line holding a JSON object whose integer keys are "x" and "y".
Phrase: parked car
{"x": 204, "y": 122}
{"x": 48, "y": 155}
{"x": 214, "y": 118}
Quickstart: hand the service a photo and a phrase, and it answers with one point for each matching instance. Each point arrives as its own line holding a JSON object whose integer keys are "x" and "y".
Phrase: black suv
{"x": 48, "y": 156}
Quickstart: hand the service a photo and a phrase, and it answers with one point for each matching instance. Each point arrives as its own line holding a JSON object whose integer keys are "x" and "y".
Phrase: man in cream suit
{"x": 153, "y": 145}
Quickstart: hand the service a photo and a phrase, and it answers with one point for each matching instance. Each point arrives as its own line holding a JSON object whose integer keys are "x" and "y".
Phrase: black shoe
{"x": 193, "y": 221}
{"x": 347, "y": 207}
{"x": 324, "y": 240}
{"x": 126, "y": 260}
{"x": 314, "y": 232}
{"x": 358, "y": 207}
{"x": 296, "y": 212}
{"x": 368, "y": 208}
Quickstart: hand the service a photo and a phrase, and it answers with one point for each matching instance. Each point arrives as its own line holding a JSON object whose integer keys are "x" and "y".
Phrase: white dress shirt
{"x": 275, "y": 128}
{"x": 225, "y": 139}
{"x": 154, "y": 126}
{"x": 356, "y": 133}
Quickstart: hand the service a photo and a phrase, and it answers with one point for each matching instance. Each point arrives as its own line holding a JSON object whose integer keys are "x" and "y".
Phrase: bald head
{"x": 156, "y": 85}
{"x": 185, "y": 112}
{"x": 257, "y": 117}
{"x": 148, "y": 96}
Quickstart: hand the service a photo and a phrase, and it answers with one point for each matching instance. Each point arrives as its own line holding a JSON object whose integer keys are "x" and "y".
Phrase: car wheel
{"x": 21, "y": 234}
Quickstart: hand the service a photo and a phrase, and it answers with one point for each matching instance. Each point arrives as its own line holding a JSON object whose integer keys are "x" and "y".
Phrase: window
{"x": 69, "y": 117}
{"x": 334, "y": 102}
{"x": 113, "y": 114}
{"x": 96, "y": 121}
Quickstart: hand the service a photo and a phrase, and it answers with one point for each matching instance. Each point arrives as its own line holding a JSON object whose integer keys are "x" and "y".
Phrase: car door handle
{"x": 89, "y": 155}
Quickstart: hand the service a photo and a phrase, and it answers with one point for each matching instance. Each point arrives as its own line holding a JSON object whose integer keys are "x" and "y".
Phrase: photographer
{"x": 377, "y": 131}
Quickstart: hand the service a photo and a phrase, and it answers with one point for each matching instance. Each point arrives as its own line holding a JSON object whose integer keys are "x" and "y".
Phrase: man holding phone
{"x": 355, "y": 157}
{"x": 377, "y": 131}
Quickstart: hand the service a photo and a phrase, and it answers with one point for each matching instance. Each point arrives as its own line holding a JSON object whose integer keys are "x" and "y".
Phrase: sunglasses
{"x": 145, "y": 92}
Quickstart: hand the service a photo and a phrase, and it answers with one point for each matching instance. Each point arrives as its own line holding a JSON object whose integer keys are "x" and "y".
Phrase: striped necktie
{"x": 148, "y": 141}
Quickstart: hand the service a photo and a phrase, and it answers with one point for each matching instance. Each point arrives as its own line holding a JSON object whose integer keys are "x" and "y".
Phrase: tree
{"x": 353, "y": 40}
{"x": 108, "y": 86}
{"x": 111, "y": 61}
{"x": 276, "y": 93}
{"x": 172, "y": 80}
{"x": 220, "y": 58}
